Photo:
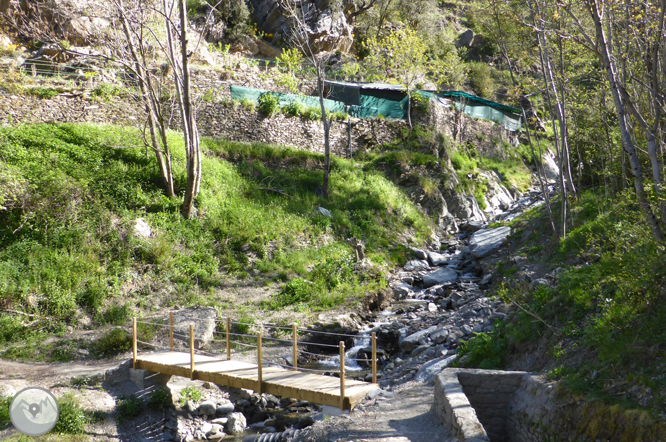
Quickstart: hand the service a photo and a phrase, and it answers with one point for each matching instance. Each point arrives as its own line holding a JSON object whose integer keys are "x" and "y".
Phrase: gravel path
{"x": 405, "y": 417}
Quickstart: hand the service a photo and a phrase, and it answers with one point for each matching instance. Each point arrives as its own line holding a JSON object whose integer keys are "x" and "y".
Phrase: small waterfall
{"x": 361, "y": 341}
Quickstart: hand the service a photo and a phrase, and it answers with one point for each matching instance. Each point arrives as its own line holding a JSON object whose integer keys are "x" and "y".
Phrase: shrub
{"x": 293, "y": 109}
{"x": 4, "y": 412}
{"x": 190, "y": 393}
{"x": 117, "y": 314}
{"x": 312, "y": 113}
{"x": 44, "y": 93}
{"x": 113, "y": 342}
{"x": 129, "y": 407}
{"x": 483, "y": 350}
{"x": 296, "y": 291}
{"x": 269, "y": 104}
{"x": 248, "y": 104}
{"x": 480, "y": 80}
{"x": 72, "y": 418}
{"x": 106, "y": 91}
{"x": 159, "y": 398}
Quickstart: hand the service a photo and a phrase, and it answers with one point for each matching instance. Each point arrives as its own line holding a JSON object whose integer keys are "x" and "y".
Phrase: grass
{"x": 601, "y": 325}
{"x": 190, "y": 393}
{"x": 69, "y": 196}
{"x": 129, "y": 407}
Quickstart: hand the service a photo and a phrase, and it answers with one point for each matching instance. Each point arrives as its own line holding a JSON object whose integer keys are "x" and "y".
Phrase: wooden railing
{"x": 260, "y": 362}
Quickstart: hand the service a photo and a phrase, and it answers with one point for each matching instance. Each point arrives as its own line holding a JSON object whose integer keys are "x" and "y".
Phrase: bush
{"x": 269, "y": 104}
{"x": 106, "y": 91}
{"x": 483, "y": 350}
{"x": 293, "y": 109}
{"x": 113, "y": 342}
{"x": 190, "y": 393}
{"x": 480, "y": 80}
{"x": 129, "y": 407}
{"x": 296, "y": 291}
{"x": 311, "y": 113}
{"x": 72, "y": 418}
{"x": 159, "y": 398}
{"x": 248, "y": 104}
{"x": 44, "y": 93}
{"x": 4, "y": 412}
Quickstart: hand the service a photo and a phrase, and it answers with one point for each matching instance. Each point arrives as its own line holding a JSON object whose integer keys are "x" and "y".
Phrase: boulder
{"x": 465, "y": 39}
{"x": 439, "y": 336}
{"x": 437, "y": 259}
{"x": 412, "y": 341}
{"x": 402, "y": 290}
{"x": 84, "y": 30}
{"x": 225, "y": 407}
{"x": 208, "y": 408}
{"x": 236, "y": 423}
{"x": 324, "y": 212}
{"x": 420, "y": 254}
{"x": 484, "y": 242}
{"x": 440, "y": 276}
{"x": 268, "y": 50}
{"x": 203, "y": 319}
{"x": 416, "y": 264}
{"x": 428, "y": 370}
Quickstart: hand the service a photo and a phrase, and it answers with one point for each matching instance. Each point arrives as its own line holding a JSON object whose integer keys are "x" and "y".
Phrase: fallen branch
{"x": 30, "y": 315}
{"x": 532, "y": 314}
{"x": 278, "y": 191}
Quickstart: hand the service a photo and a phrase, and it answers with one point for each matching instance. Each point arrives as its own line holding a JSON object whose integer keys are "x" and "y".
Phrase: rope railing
{"x": 259, "y": 338}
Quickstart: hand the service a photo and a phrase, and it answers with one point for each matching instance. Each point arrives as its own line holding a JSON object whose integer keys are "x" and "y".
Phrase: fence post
{"x": 191, "y": 351}
{"x": 228, "y": 339}
{"x": 133, "y": 341}
{"x": 342, "y": 375}
{"x": 374, "y": 357}
{"x": 171, "y": 330}
{"x": 259, "y": 368}
{"x": 293, "y": 327}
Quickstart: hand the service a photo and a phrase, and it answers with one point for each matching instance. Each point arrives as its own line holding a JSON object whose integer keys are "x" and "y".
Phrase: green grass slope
{"x": 600, "y": 329}
{"x": 69, "y": 197}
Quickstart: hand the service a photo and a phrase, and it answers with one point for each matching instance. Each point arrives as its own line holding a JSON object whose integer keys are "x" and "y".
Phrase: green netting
{"x": 240, "y": 93}
{"x": 477, "y": 107}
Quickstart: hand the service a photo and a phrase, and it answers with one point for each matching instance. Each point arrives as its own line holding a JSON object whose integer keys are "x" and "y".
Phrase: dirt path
{"x": 405, "y": 417}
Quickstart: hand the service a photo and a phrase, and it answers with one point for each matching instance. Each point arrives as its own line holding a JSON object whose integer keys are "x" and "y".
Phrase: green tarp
{"x": 390, "y": 101}
{"x": 240, "y": 93}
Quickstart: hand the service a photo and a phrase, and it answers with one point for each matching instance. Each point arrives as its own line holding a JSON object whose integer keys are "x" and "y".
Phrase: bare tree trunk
{"x": 155, "y": 124}
{"x": 326, "y": 122}
{"x": 609, "y": 66}
{"x": 4, "y": 5}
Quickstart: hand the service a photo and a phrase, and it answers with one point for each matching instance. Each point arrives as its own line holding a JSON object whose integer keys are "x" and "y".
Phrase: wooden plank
{"x": 278, "y": 381}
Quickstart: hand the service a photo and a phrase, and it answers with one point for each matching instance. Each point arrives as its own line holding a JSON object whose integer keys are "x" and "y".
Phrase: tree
{"x": 133, "y": 56}
{"x": 401, "y": 56}
{"x": 300, "y": 36}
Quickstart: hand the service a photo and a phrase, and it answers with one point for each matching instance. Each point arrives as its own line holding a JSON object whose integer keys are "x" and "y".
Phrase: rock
{"x": 437, "y": 259}
{"x": 484, "y": 242}
{"x": 206, "y": 427}
{"x": 245, "y": 45}
{"x": 190, "y": 407}
{"x": 430, "y": 369}
{"x": 220, "y": 421}
{"x": 203, "y": 319}
{"x": 439, "y": 336}
{"x": 550, "y": 167}
{"x": 420, "y": 349}
{"x": 324, "y": 212}
{"x": 225, "y": 408}
{"x": 412, "y": 341}
{"x": 402, "y": 290}
{"x": 214, "y": 429}
{"x": 267, "y": 49}
{"x": 440, "y": 276}
{"x": 5, "y": 41}
{"x": 236, "y": 423}
{"x": 486, "y": 279}
{"x": 465, "y": 39}
{"x": 142, "y": 229}
{"x": 416, "y": 264}
{"x": 432, "y": 307}
{"x": 420, "y": 254}
{"x": 207, "y": 407}
{"x": 471, "y": 226}
{"x": 537, "y": 282}
{"x": 84, "y": 30}
{"x": 166, "y": 436}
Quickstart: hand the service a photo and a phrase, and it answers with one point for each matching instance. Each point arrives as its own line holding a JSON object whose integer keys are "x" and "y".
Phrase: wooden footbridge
{"x": 263, "y": 376}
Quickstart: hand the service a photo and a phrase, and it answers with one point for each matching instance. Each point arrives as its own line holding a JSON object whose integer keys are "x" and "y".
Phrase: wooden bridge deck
{"x": 319, "y": 389}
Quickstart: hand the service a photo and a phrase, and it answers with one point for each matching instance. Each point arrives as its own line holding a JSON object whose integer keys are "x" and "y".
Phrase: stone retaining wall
{"x": 505, "y": 406}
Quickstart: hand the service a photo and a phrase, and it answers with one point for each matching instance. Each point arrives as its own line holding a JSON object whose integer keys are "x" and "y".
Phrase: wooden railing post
{"x": 342, "y": 375}
{"x": 228, "y": 339}
{"x": 171, "y": 330}
{"x": 374, "y": 358}
{"x": 259, "y": 368}
{"x": 134, "y": 343}
{"x": 191, "y": 351}
{"x": 295, "y": 339}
